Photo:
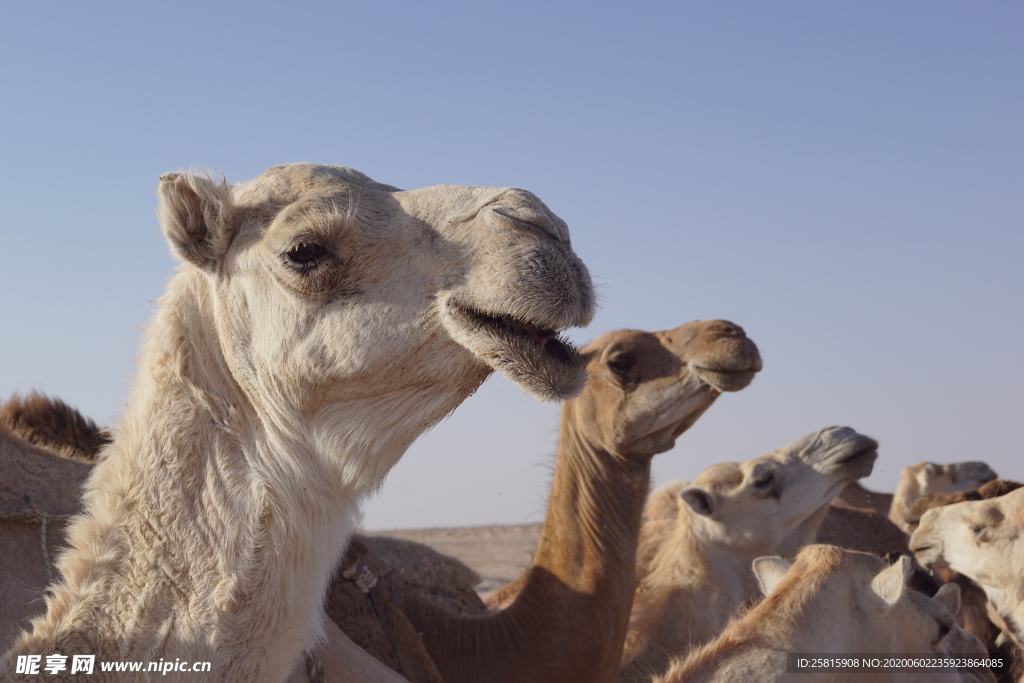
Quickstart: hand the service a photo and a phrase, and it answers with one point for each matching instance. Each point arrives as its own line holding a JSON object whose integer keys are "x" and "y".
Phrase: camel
{"x": 979, "y": 539}
{"x": 54, "y": 425}
{"x": 990, "y": 489}
{"x": 856, "y": 497}
{"x": 37, "y": 496}
{"x": 731, "y": 514}
{"x": 926, "y": 478}
{"x": 862, "y": 530}
{"x": 319, "y": 322}
{"x": 831, "y": 600}
{"x": 32, "y": 532}
{"x": 566, "y": 618}
{"x": 873, "y": 522}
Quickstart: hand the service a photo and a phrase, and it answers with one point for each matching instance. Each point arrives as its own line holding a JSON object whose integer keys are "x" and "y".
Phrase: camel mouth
{"x": 725, "y": 380}
{"x": 859, "y": 462}
{"x": 928, "y": 555}
{"x": 531, "y": 355}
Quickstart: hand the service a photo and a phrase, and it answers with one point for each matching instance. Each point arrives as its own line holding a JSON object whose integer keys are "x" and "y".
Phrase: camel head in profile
{"x": 647, "y": 388}
{"x": 981, "y": 540}
{"x": 774, "y": 503}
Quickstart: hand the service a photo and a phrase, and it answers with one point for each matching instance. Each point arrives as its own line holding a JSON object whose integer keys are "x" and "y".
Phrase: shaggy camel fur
{"x": 320, "y": 322}
{"x": 926, "y": 478}
{"x": 52, "y": 424}
{"x": 832, "y": 601}
{"x": 979, "y": 539}
{"x": 567, "y": 619}
{"x": 365, "y": 612}
{"x": 731, "y": 514}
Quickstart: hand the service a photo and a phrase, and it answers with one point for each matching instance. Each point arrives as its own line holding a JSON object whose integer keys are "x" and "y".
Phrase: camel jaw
{"x": 532, "y": 356}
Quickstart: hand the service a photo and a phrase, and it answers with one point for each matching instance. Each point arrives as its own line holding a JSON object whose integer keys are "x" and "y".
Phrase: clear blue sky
{"x": 845, "y": 180}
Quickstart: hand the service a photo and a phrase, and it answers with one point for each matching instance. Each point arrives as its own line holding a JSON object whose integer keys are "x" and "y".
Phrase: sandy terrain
{"x": 497, "y": 553}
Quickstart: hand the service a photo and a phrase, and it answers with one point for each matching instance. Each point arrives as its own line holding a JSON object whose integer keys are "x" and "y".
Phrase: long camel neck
{"x": 592, "y": 525}
{"x": 568, "y": 623}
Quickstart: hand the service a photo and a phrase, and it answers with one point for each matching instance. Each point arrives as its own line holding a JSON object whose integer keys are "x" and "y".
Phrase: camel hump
{"x": 54, "y": 425}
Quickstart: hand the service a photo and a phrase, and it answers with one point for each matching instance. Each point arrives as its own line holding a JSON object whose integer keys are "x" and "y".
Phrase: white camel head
{"x": 337, "y": 296}
{"x": 759, "y": 503}
{"x": 981, "y": 540}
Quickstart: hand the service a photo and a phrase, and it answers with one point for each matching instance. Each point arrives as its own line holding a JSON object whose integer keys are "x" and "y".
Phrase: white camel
{"x": 981, "y": 540}
{"x": 319, "y": 323}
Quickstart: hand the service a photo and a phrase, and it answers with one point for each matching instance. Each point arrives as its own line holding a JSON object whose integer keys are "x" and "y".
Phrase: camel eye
{"x": 305, "y": 254}
{"x": 763, "y": 480}
{"x": 621, "y": 364}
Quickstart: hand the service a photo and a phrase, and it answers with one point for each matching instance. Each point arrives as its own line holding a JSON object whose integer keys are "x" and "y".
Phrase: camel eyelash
{"x": 305, "y": 256}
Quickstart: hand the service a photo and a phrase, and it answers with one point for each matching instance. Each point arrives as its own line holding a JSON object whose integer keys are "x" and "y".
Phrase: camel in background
{"x": 980, "y": 540}
{"x": 699, "y": 572}
{"x": 565, "y": 620}
{"x": 831, "y": 600}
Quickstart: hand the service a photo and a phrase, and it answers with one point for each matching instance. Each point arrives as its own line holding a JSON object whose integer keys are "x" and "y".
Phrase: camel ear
{"x": 769, "y": 572}
{"x": 195, "y": 216}
{"x": 949, "y": 596}
{"x": 699, "y": 500}
{"x": 891, "y": 584}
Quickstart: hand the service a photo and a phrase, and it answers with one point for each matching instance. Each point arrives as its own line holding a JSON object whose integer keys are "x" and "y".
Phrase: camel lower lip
{"x": 726, "y": 380}
{"x": 529, "y": 354}
{"x": 857, "y": 455}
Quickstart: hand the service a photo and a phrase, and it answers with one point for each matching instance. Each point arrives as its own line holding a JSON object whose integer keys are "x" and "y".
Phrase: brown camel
{"x": 567, "y": 621}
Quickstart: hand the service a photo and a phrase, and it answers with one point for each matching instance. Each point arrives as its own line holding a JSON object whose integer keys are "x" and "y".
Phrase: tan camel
{"x": 567, "y": 619}
{"x": 731, "y": 514}
{"x": 320, "y": 322}
{"x": 926, "y": 478}
{"x": 832, "y": 601}
{"x": 980, "y": 540}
